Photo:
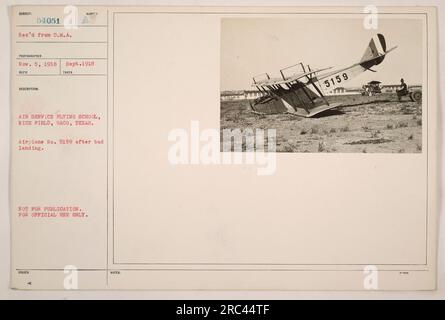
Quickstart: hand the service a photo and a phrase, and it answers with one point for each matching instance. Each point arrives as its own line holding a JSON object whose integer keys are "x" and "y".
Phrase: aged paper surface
{"x": 127, "y": 171}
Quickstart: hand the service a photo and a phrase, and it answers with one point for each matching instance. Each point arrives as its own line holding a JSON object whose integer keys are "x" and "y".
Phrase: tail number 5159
{"x": 337, "y": 79}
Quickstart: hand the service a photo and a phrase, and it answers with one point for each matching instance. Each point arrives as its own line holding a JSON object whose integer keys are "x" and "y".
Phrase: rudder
{"x": 375, "y": 51}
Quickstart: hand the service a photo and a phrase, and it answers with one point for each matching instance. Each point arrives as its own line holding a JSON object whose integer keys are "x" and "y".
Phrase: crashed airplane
{"x": 302, "y": 93}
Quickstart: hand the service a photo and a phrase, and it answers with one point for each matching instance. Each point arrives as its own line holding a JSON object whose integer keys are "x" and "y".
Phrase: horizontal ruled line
{"x": 220, "y": 269}
{"x": 58, "y": 25}
{"x": 60, "y": 75}
{"x": 61, "y": 42}
{"x": 55, "y": 58}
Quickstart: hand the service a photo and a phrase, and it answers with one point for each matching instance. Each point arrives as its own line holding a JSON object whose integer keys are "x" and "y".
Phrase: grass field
{"x": 377, "y": 124}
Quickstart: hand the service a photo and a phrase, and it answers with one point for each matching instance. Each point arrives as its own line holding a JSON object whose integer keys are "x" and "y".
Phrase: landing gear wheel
{"x": 416, "y": 96}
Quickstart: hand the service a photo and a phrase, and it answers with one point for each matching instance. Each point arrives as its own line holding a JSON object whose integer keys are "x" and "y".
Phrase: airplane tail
{"x": 375, "y": 52}
{"x": 374, "y": 55}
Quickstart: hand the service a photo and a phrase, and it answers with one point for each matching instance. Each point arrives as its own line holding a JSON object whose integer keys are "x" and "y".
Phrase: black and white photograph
{"x": 297, "y": 156}
{"x": 325, "y": 84}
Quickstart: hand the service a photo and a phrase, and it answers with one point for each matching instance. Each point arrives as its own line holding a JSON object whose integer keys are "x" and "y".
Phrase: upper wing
{"x": 277, "y": 81}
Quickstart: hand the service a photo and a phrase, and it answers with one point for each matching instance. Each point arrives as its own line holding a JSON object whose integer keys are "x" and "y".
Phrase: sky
{"x": 251, "y": 46}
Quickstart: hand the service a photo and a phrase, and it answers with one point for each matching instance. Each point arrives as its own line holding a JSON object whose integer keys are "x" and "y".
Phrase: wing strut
{"x": 310, "y": 80}
{"x": 318, "y": 90}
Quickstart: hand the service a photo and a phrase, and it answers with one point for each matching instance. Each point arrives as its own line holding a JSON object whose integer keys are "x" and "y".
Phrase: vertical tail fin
{"x": 375, "y": 51}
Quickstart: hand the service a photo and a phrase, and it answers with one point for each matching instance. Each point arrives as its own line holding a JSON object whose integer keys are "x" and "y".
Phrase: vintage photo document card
{"x": 233, "y": 148}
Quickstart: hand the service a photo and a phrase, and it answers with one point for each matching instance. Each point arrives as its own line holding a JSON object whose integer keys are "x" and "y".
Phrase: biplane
{"x": 303, "y": 92}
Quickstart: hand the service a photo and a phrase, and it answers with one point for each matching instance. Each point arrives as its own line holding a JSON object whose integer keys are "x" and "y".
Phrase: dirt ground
{"x": 377, "y": 124}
